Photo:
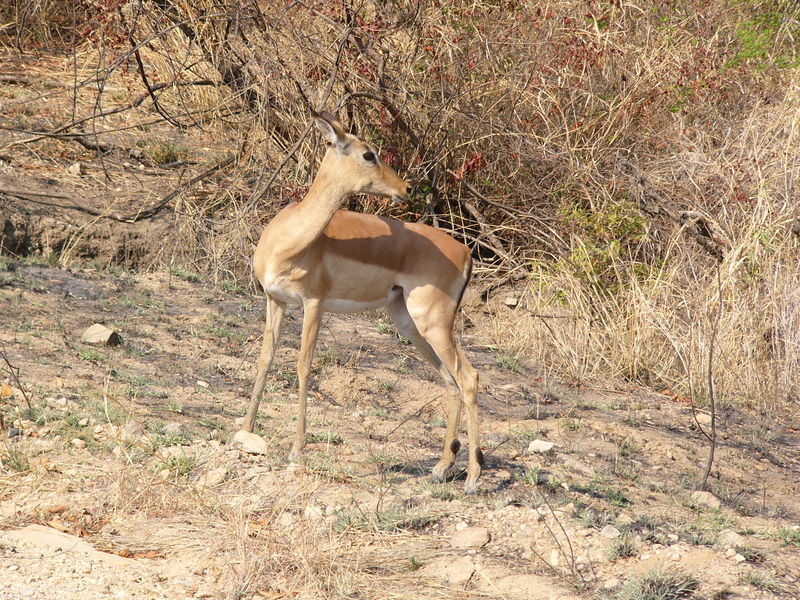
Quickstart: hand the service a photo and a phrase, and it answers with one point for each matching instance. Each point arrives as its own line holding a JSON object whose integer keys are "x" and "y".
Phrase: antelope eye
{"x": 370, "y": 157}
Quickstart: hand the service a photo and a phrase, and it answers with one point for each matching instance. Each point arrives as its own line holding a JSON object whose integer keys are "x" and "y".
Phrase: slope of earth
{"x": 120, "y": 477}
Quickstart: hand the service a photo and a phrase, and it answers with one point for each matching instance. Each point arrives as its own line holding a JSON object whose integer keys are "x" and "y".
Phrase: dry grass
{"x": 515, "y": 120}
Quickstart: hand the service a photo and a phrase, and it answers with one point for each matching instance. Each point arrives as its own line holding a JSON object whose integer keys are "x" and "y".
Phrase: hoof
{"x": 471, "y": 487}
{"x": 441, "y": 473}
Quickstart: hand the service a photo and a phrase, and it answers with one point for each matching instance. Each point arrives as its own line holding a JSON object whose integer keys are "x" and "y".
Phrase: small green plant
{"x": 401, "y": 364}
{"x": 531, "y": 476}
{"x": 162, "y": 152}
{"x": 789, "y": 536}
{"x": 762, "y": 582}
{"x": 173, "y": 406}
{"x": 391, "y": 519}
{"x": 414, "y": 564}
{"x": 180, "y": 465}
{"x": 440, "y": 491}
{"x": 623, "y": 547}
{"x": 93, "y": 356}
{"x": 507, "y": 360}
{"x": 571, "y": 424}
{"x": 323, "y": 437}
{"x": 593, "y": 518}
{"x": 379, "y": 411}
{"x": 386, "y": 386}
{"x": 659, "y": 585}
{"x": 15, "y": 460}
{"x": 750, "y": 554}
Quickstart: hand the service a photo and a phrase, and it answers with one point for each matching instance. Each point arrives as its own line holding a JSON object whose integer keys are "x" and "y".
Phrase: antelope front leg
{"x": 311, "y": 321}
{"x": 272, "y": 334}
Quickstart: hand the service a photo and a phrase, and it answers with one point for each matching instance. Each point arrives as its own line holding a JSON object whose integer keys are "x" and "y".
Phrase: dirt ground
{"x": 126, "y": 453}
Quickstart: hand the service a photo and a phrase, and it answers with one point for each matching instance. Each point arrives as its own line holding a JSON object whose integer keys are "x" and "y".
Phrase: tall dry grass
{"x": 514, "y": 119}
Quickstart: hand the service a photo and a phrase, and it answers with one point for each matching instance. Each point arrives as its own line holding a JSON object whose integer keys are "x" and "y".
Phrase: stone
{"x": 511, "y": 301}
{"x": 471, "y": 537}
{"x": 610, "y": 584}
{"x": 739, "y": 558}
{"x": 52, "y": 540}
{"x": 99, "y": 334}
{"x": 250, "y": 442}
{"x": 611, "y": 532}
{"x": 701, "y": 498}
{"x": 131, "y": 431}
{"x": 703, "y": 418}
{"x": 213, "y": 477}
{"x": 554, "y": 558}
{"x": 728, "y": 538}
{"x": 75, "y": 168}
{"x": 174, "y": 428}
{"x": 460, "y": 571}
{"x": 540, "y": 446}
{"x": 78, "y": 443}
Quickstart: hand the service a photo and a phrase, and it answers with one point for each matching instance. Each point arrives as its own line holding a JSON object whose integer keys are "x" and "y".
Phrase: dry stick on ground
{"x": 14, "y": 372}
{"x": 712, "y": 342}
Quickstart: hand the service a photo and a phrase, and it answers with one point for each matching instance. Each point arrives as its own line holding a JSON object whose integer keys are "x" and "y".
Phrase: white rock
{"x": 460, "y": 571}
{"x": 739, "y": 558}
{"x": 75, "y": 168}
{"x": 730, "y": 539}
{"x": 611, "y": 532}
{"x": 705, "y": 499}
{"x": 471, "y": 537}
{"x": 539, "y": 446}
{"x": 100, "y": 334}
{"x": 610, "y": 584}
{"x": 703, "y": 418}
{"x": 554, "y": 558}
{"x": 213, "y": 477}
{"x": 461, "y": 526}
{"x": 511, "y": 301}
{"x": 250, "y": 442}
{"x": 78, "y": 443}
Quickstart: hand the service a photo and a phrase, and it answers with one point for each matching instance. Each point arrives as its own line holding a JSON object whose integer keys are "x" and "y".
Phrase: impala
{"x": 325, "y": 259}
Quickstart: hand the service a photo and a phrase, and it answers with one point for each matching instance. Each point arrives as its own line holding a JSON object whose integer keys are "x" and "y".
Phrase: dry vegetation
{"x": 628, "y": 171}
{"x": 564, "y": 142}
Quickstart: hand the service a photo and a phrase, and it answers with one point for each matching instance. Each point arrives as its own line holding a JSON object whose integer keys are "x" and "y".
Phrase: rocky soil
{"x": 122, "y": 477}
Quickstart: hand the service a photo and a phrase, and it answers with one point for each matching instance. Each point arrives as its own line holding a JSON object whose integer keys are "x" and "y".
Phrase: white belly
{"x": 339, "y": 305}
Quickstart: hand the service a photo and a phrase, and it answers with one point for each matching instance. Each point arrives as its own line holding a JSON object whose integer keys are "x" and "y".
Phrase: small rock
{"x": 624, "y": 519}
{"x": 611, "y": 532}
{"x": 471, "y": 537}
{"x": 131, "y": 431}
{"x": 672, "y": 537}
{"x": 78, "y": 443}
{"x": 705, "y": 499}
{"x": 728, "y": 538}
{"x": 739, "y": 558}
{"x": 313, "y": 513}
{"x": 99, "y": 334}
{"x": 174, "y": 428}
{"x": 730, "y": 553}
{"x": 84, "y": 422}
{"x": 14, "y": 432}
{"x": 703, "y": 418}
{"x": 461, "y": 526}
{"x": 554, "y": 558}
{"x": 202, "y": 384}
{"x": 460, "y": 572}
{"x": 511, "y": 301}
{"x": 540, "y": 446}
{"x": 250, "y": 442}
{"x": 75, "y": 168}
{"x": 610, "y": 584}
{"x": 213, "y": 477}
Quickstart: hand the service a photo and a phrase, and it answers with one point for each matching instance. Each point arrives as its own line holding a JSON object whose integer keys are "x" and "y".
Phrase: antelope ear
{"x": 331, "y": 128}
